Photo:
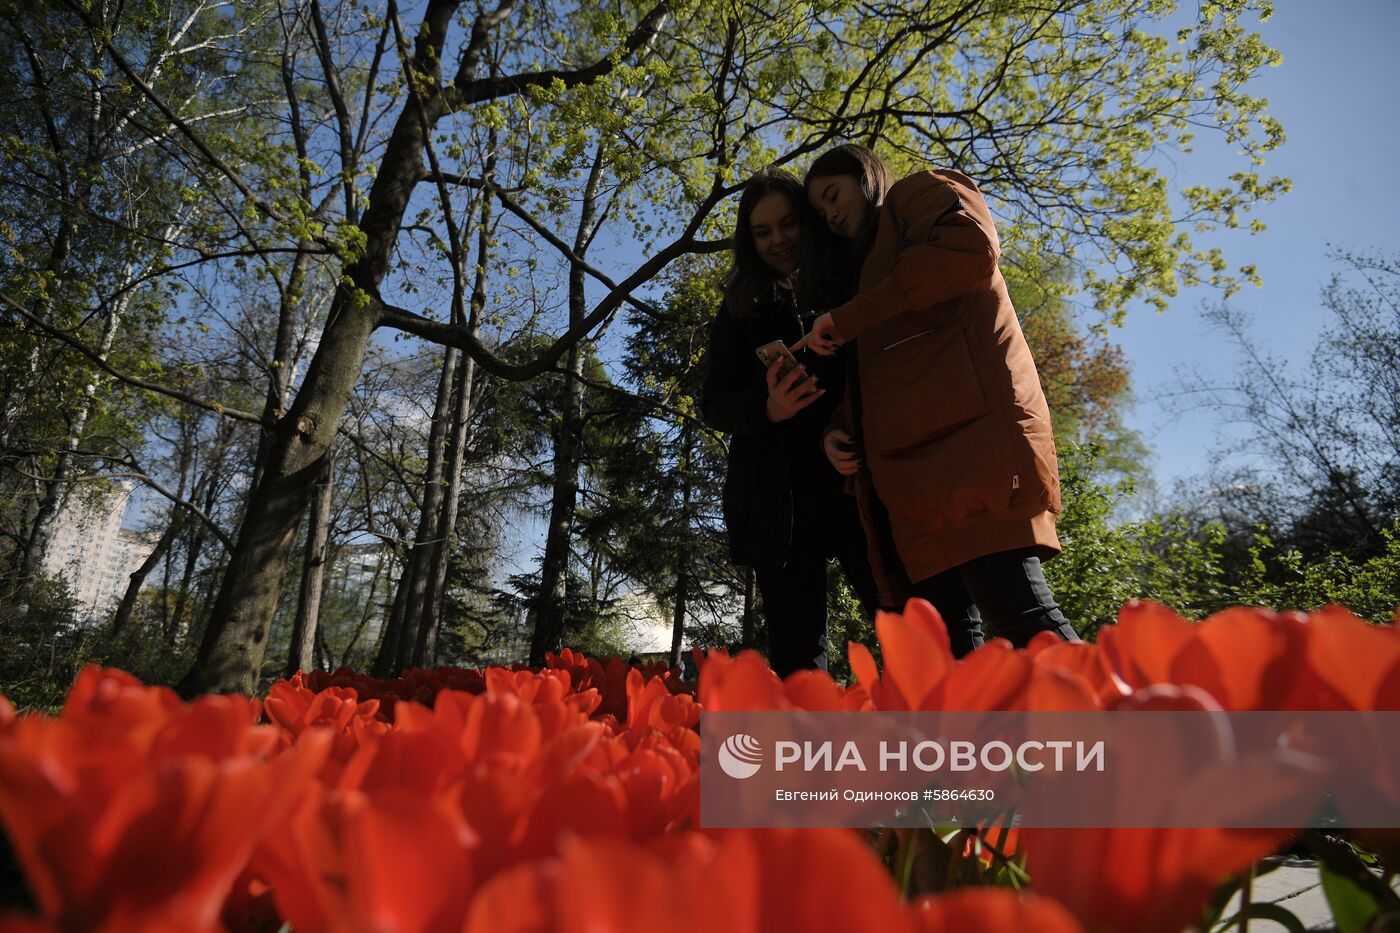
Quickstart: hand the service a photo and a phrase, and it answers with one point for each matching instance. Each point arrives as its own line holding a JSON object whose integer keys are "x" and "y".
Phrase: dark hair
{"x": 751, "y": 285}
{"x": 831, "y": 264}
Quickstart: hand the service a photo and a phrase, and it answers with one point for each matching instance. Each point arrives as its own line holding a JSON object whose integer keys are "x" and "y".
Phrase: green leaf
{"x": 1351, "y": 906}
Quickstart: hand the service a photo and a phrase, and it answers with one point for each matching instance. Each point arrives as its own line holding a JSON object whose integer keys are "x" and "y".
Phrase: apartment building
{"x": 94, "y": 553}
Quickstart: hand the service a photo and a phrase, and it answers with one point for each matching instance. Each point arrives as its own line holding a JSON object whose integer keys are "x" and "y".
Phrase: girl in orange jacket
{"x": 945, "y": 434}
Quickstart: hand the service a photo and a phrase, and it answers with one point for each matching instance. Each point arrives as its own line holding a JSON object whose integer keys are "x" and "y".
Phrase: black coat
{"x": 772, "y": 467}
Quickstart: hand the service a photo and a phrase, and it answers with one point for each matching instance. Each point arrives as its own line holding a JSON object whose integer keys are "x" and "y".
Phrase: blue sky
{"x": 1337, "y": 93}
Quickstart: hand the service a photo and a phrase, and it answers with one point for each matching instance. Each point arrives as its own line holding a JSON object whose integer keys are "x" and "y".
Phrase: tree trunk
{"x": 746, "y": 625}
{"x": 547, "y": 612}
{"x": 279, "y": 381}
{"x": 235, "y": 639}
{"x": 182, "y": 593}
{"x": 138, "y": 576}
{"x": 418, "y": 568}
{"x": 364, "y": 615}
{"x": 431, "y": 617}
{"x": 186, "y": 442}
{"x": 401, "y": 633}
{"x": 324, "y": 660}
{"x": 302, "y": 650}
{"x": 683, "y": 569}
{"x": 386, "y": 654}
{"x": 425, "y": 649}
{"x": 678, "y": 618}
{"x": 210, "y": 483}
{"x": 55, "y": 270}
{"x": 167, "y": 624}
{"x": 56, "y": 489}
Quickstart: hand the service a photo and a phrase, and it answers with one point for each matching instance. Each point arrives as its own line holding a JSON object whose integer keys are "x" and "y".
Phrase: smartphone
{"x": 777, "y": 350}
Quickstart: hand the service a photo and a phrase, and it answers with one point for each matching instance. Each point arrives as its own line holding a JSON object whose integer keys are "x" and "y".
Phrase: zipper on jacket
{"x": 801, "y": 330}
{"x": 906, "y": 339}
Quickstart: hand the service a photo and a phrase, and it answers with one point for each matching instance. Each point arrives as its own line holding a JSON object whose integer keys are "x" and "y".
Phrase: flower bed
{"x": 567, "y": 798}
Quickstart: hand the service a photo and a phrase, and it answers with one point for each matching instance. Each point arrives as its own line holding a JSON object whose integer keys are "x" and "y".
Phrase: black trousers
{"x": 794, "y": 597}
{"x": 1006, "y": 590}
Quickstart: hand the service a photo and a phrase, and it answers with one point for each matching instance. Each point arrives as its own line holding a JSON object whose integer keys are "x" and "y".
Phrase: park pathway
{"x": 1294, "y": 886}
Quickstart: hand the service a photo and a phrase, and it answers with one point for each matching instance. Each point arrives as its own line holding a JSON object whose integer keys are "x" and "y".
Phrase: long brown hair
{"x": 751, "y": 285}
{"x": 830, "y": 263}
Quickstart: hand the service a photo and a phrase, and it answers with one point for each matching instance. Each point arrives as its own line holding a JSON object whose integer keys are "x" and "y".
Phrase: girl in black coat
{"x": 784, "y": 506}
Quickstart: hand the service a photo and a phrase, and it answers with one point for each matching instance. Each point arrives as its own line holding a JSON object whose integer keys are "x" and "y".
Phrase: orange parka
{"x": 948, "y": 407}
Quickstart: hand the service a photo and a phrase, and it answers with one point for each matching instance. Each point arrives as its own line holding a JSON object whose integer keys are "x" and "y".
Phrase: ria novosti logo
{"x": 740, "y": 756}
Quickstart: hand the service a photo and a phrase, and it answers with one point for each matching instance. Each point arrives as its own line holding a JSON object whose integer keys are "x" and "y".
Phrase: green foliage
{"x": 97, "y": 209}
{"x": 1085, "y": 377}
{"x": 142, "y": 651}
{"x": 603, "y": 635}
{"x": 845, "y": 623}
{"x": 1104, "y": 564}
{"x": 1194, "y": 568}
{"x": 1057, "y": 110}
{"x": 1352, "y": 908}
{"x": 42, "y": 651}
{"x": 665, "y": 473}
{"x": 1284, "y": 579}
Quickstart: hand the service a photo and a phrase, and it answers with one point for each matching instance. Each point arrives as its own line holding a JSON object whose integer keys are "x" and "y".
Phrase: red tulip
{"x": 742, "y": 683}
{"x": 1146, "y": 880}
{"x": 651, "y": 705}
{"x": 130, "y": 812}
{"x": 1141, "y": 647}
{"x": 736, "y": 881}
{"x": 917, "y": 656}
{"x": 603, "y": 885}
{"x": 1084, "y": 660}
{"x": 352, "y": 862}
{"x": 355, "y": 726}
{"x": 1354, "y": 663}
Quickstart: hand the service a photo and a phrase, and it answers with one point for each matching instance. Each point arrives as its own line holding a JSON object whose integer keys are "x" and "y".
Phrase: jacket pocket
{"x": 918, "y": 388}
{"x": 947, "y": 482}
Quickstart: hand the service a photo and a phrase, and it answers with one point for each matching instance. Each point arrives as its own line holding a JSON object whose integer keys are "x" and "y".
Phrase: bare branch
{"x": 574, "y": 259}
{"x": 482, "y": 27}
{"x": 137, "y": 473}
{"x": 342, "y": 113}
{"x": 467, "y": 181}
{"x": 362, "y": 135}
{"x": 463, "y": 338}
{"x": 483, "y": 89}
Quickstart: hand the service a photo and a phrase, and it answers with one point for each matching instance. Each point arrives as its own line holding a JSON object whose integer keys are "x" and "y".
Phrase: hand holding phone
{"x": 770, "y": 353}
{"x": 790, "y": 388}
